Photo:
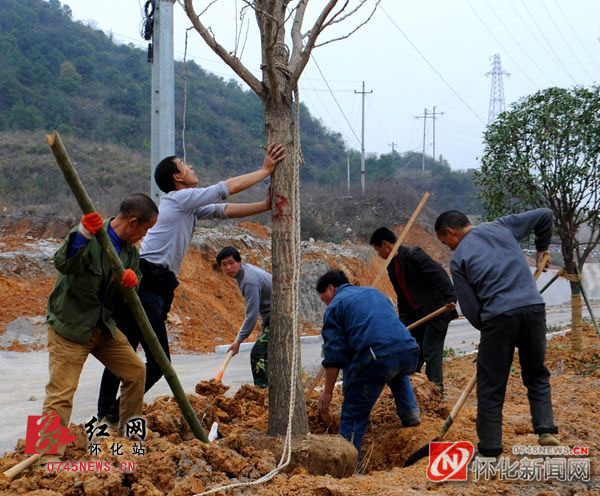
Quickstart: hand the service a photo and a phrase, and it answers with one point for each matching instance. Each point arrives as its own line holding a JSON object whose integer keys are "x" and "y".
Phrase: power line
{"x": 566, "y": 42}
{"x": 547, "y": 42}
{"x": 575, "y": 34}
{"x": 501, "y": 46}
{"x": 531, "y": 59}
{"x": 334, "y": 98}
{"x": 432, "y": 66}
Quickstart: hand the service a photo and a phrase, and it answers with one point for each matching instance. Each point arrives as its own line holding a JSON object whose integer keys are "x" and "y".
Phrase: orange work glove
{"x": 129, "y": 279}
{"x": 91, "y": 223}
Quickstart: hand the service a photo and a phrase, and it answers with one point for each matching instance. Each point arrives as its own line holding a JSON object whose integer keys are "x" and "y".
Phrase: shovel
{"x": 424, "y": 450}
{"x": 221, "y": 371}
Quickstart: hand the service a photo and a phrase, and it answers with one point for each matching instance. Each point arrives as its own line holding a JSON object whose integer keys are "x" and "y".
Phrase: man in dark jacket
{"x": 422, "y": 286}
{"x": 499, "y": 297}
{"x": 363, "y": 336}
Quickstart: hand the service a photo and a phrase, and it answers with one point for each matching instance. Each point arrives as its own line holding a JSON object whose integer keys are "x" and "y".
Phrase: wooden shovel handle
{"x": 430, "y": 316}
{"x": 221, "y": 371}
{"x": 315, "y": 383}
{"x": 11, "y": 473}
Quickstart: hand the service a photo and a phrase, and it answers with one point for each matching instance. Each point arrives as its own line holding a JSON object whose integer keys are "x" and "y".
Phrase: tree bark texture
{"x": 280, "y": 128}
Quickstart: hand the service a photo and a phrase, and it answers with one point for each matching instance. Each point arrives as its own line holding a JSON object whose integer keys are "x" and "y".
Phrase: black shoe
{"x": 412, "y": 420}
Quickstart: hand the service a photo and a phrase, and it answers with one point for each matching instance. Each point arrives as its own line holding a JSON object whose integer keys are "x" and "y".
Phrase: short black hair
{"x": 163, "y": 174}
{"x": 382, "y": 234}
{"x": 334, "y": 277}
{"x": 452, "y": 219}
{"x": 140, "y": 206}
{"x": 229, "y": 251}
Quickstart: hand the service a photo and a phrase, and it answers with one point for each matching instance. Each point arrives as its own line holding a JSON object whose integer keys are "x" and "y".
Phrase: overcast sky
{"x": 412, "y": 54}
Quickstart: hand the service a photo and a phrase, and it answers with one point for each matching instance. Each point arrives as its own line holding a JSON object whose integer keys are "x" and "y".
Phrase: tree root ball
{"x": 319, "y": 454}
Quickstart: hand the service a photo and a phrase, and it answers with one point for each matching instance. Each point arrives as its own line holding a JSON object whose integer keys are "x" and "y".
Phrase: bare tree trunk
{"x": 285, "y": 241}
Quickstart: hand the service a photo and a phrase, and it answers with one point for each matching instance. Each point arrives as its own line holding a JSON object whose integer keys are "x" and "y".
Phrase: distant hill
{"x": 59, "y": 73}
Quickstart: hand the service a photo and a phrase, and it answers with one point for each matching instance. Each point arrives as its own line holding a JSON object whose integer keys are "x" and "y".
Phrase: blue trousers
{"x": 364, "y": 387}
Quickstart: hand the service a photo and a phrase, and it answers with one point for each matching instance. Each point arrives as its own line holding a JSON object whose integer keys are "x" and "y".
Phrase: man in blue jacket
{"x": 363, "y": 336}
{"x": 499, "y": 297}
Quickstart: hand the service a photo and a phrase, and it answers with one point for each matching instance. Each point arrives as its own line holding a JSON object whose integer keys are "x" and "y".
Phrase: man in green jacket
{"x": 79, "y": 313}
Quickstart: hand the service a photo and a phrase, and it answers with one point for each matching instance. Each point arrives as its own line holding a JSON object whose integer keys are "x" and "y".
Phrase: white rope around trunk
{"x": 286, "y": 454}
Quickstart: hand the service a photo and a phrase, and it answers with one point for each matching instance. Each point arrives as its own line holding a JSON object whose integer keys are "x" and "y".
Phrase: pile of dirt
{"x": 177, "y": 464}
{"x": 208, "y": 308}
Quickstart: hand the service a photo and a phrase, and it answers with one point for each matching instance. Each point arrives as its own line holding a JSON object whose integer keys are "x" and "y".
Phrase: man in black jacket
{"x": 422, "y": 286}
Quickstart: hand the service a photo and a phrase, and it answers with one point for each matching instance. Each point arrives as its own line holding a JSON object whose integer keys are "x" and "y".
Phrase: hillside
{"x": 59, "y": 73}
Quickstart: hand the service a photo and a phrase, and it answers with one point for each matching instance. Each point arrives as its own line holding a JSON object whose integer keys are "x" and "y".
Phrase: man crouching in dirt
{"x": 80, "y": 307}
{"x": 363, "y": 335}
{"x": 165, "y": 246}
{"x": 499, "y": 297}
{"x": 255, "y": 284}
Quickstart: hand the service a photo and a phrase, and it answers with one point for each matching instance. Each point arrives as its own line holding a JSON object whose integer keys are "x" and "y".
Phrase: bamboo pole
{"x": 400, "y": 239}
{"x": 130, "y": 294}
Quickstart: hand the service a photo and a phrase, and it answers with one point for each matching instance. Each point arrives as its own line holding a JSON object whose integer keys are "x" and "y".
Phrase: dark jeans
{"x": 156, "y": 301}
{"x": 524, "y": 328}
{"x": 365, "y": 386}
{"x": 430, "y": 337}
{"x": 258, "y": 359}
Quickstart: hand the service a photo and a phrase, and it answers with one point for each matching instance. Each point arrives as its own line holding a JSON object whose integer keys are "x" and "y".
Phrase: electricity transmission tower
{"x": 497, "y": 104}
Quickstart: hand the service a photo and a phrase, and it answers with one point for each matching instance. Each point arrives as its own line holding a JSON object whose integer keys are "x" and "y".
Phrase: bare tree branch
{"x": 302, "y": 59}
{"x": 296, "y": 32}
{"x": 210, "y": 4}
{"x": 354, "y": 30}
{"x": 231, "y": 61}
{"x": 335, "y": 19}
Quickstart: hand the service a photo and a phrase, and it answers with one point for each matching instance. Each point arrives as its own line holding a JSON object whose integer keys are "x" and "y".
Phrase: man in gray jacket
{"x": 255, "y": 284}
{"x": 165, "y": 246}
{"x": 498, "y": 295}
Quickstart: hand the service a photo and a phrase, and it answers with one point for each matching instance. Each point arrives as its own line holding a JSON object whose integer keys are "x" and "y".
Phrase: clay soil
{"x": 177, "y": 464}
{"x": 208, "y": 308}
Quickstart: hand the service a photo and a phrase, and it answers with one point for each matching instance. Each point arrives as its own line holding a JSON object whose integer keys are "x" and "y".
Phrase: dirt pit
{"x": 177, "y": 464}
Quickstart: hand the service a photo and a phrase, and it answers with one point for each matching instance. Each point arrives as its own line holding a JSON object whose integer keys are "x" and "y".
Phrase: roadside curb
{"x": 222, "y": 349}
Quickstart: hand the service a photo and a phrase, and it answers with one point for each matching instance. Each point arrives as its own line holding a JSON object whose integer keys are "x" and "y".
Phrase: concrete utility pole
{"x": 348, "y": 171}
{"x": 426, "y": 115}
{"x": 162, "y": 122}
{"x": 393, "y": 145}
{"x": 434, "y": 118}
{"x": 362, "y": 138}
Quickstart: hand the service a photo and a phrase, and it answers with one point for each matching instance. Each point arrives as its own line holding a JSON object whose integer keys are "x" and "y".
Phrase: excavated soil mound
{"x": 176, "y": 464}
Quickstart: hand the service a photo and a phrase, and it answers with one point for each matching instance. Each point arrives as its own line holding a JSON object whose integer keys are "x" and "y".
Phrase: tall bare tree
{"x": 281, "y": 69}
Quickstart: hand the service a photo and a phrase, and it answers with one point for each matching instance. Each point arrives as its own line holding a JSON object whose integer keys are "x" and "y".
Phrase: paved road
{"x": 25, "y": 374}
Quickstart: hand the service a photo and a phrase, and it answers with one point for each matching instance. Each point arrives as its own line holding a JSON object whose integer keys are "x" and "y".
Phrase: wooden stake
{"x": 130, "y": 294}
